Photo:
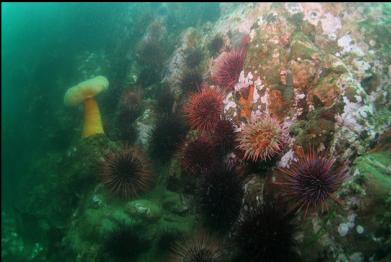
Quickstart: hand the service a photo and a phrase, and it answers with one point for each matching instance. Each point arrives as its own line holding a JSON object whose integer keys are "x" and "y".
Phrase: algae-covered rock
{"x": 302, "y": 47}
{"x": 84, "y": 161}
{"x": 153, "y": 224}
{"x": 361, "y": 227}
{"x": 327, "y": 90}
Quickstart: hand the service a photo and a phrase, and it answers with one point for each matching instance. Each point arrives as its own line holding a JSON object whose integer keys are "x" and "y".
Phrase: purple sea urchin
{"x": 224, "y": 135}
{"x": 198, "y": 156}
{"x": 312, "y": 180}
{"x": 193, "y": 57}
{"x": 167, "y": 135}
{"x": 190, "y": 80}
{"x": 219, "y": 198}
{"x": 266, "y": 233}
{"x": 262, "y": 139}
{"x": 216, "y": 44}
{"x": 126, "y": 173}
{"x": 200, "y": 248}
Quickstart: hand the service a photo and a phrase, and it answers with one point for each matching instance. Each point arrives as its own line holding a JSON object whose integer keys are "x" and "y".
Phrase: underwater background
{"x": 196, "y": 132}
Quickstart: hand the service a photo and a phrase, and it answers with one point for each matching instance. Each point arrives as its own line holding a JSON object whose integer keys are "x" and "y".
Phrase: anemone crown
{"x": 262, "y": 139}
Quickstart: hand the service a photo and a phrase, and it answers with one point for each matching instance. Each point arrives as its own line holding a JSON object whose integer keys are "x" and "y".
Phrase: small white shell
{"x": 359, "y": 229}
{"x": 343, "y": 229}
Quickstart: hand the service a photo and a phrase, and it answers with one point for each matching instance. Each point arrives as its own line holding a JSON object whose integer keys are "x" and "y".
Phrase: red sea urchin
{"x": 204, "y": 109}
{"x": 262, "y": 139}
{"x": 227, "y": 68}
{"x": 126, "y": 173}
{"x": 312, "y": 180}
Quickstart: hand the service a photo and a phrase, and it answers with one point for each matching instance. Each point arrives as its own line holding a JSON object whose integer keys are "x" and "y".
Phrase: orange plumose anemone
{"x": 85, "y": 92}
{"x": 262, "y": 139}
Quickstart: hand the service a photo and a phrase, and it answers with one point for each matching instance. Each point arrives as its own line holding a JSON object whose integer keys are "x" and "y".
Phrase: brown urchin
{"x": 200, "y": 248}
{"x": 204, "y": 109}
{"x": 312, "y": 180}
{"x": 126, "y": 173}
{"x": 262, "y": 139}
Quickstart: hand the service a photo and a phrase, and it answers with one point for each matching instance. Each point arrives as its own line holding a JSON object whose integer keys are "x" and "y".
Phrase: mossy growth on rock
{"x": 84, "y": 160}
{"x": 313, "y": 132}
{"x": 302, "y": 47}
{"x": 151, "y": 223}
{"x": 65, "y": 181}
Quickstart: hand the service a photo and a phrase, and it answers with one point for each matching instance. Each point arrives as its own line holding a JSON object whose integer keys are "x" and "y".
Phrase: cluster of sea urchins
{"x": 126, "y": 173}
{"x": 201, "y": 248}
{"x": 227, "y": 68}
{"x": 311, "y": 181}
{"x": 204, "y": 109}
{"x": 262, "y": 139}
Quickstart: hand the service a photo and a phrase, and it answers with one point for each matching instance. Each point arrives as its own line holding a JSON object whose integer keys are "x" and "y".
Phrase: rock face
{"x": 323, "y": 71}
{"x": 312, "y": 57}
